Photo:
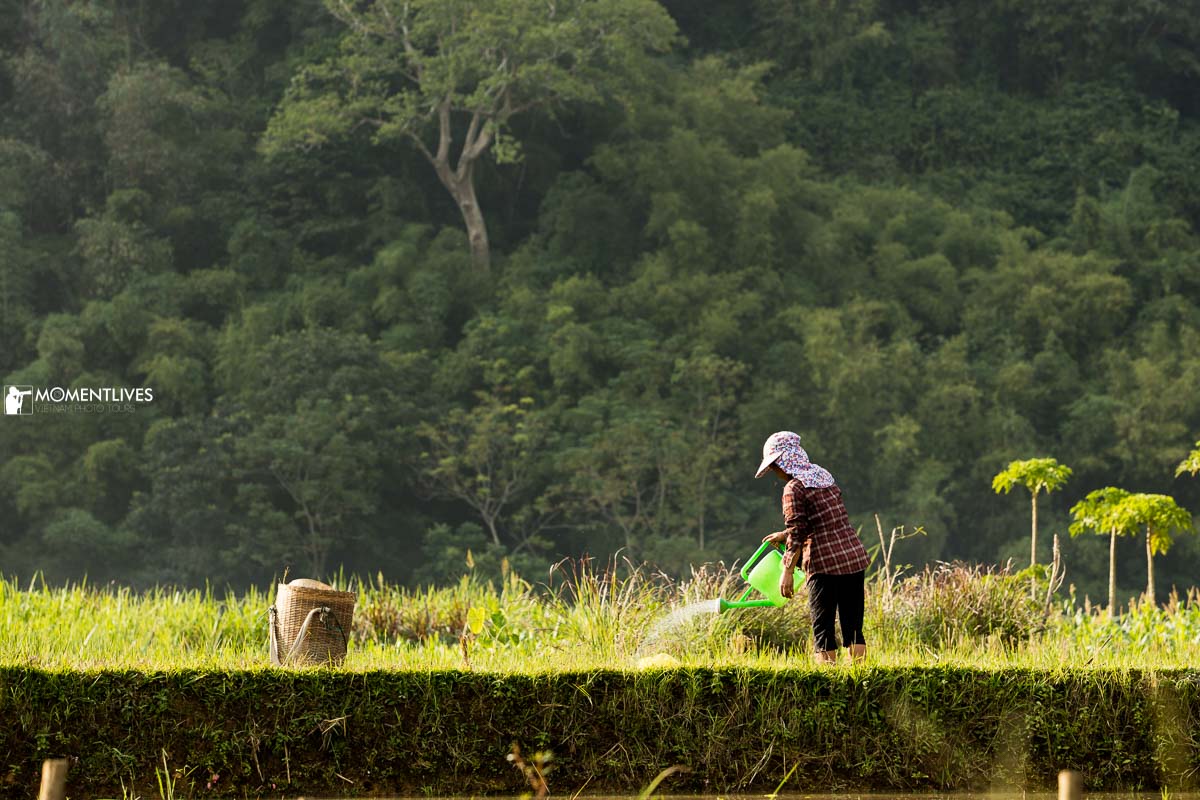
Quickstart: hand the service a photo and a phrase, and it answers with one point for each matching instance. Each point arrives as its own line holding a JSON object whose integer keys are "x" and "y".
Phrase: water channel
{"x": 999, "y": 795}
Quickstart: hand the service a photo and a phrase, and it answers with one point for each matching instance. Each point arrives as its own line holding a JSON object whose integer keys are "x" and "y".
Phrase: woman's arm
{"x": 798, "y": 530}
{"x": 787, "y": 580}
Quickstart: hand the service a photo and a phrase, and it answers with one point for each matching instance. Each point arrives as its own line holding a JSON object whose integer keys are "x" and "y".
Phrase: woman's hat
{"x": 776, "y": 444}
{"x": 784, "y": 447}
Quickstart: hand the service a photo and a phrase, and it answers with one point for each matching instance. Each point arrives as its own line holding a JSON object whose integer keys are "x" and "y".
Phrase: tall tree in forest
{"x": 484, "y": 457}
{"x": 1037, "y": 475}
{"x": 706, "y": 386}
{"x": 433, "y": 71}
{"x": 313, "y": 412}
{"x": 618, "y": 467}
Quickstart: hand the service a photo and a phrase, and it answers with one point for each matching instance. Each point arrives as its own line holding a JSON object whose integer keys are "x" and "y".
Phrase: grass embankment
{"x": 309, "y": 732}
{"x": 970, "y": 685}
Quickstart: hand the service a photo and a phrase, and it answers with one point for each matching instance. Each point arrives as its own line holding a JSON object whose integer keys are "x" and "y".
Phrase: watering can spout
{"x": 725, "y": 605}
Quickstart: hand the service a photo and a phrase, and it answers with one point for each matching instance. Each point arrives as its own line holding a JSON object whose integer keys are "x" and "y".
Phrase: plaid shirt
{"x": 816, "y": 520}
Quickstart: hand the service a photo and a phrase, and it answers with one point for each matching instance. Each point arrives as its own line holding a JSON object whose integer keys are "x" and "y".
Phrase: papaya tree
{"x": 1098, "y": 513}
{"x": 1191, "y": 464}
{"x": 1037, "y": 475}
{"x": 1161, "y": 517}
{"x": 448, "y": 76}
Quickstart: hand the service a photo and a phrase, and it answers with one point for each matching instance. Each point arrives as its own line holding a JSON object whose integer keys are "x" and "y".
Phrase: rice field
{"x": 585, "y": 617}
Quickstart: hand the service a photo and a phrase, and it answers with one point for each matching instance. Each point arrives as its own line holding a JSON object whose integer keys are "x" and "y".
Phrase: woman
{"x": 816, "y": 525}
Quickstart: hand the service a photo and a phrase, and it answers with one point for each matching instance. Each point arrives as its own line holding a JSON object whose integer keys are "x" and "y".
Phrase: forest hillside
{"x": 407, "y": 285}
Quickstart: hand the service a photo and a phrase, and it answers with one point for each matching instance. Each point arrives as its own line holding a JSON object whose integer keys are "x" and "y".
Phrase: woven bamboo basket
{"x": 310, "y": 623}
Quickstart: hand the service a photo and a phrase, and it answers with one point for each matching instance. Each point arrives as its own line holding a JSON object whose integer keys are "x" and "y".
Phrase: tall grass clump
{"x": 605, "y": 612}
{"x": 953, "y": 602}
{"x": 391, "y": 614}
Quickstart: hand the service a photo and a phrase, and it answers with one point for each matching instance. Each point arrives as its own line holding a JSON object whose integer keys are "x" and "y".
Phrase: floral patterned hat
{"x": 783, "y": 448}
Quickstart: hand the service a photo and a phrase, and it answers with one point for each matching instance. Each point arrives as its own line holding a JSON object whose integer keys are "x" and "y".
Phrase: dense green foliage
{"x": 313, "y": 732}
{"x": 932, "y": 238}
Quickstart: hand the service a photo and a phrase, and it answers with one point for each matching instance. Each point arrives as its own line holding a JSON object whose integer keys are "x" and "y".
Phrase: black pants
{"x": 840, "y": 594}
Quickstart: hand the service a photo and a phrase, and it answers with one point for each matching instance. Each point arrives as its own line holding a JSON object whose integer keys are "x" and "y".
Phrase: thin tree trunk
{"x": 1112, "y": 573}
{"x": 1033, "y": 533}
{"x": 1033, "y": 545}
{"x": 490, "y": 521}
{"x": 1149, "y": 569}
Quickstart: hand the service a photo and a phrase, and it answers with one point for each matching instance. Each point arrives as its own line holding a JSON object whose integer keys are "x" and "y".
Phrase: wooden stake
{"x": 1070, "y": 785}
{"x": 54, "y": 779}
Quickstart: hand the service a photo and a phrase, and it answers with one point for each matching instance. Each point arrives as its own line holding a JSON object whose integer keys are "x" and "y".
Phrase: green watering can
{"x": 762, "y": 572}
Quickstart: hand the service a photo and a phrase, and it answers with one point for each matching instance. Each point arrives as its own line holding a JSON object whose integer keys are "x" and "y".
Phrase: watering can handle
{"x": 754, "y": 558}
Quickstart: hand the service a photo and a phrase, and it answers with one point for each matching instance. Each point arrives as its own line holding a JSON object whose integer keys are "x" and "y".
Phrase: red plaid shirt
{"x": 815, "y": 519}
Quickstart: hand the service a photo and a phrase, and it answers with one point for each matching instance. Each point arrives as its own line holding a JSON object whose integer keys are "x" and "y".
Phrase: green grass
{"x": 970, "y": 684}
{"x": 596, "y": 619}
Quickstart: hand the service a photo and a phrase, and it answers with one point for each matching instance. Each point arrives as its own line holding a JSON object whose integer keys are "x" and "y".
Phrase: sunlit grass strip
{"x": 332, "y": 732}
{"x": 607, "y": 619}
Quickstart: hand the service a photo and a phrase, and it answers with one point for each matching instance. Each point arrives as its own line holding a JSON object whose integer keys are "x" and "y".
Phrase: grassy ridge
{"x": 971, "y": 684}
{"x": 338, "y": 732}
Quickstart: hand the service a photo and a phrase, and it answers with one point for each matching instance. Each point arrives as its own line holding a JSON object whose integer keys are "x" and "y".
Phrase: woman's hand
{"x": 777, "y": 538}
{"x": 787, "y": 584}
